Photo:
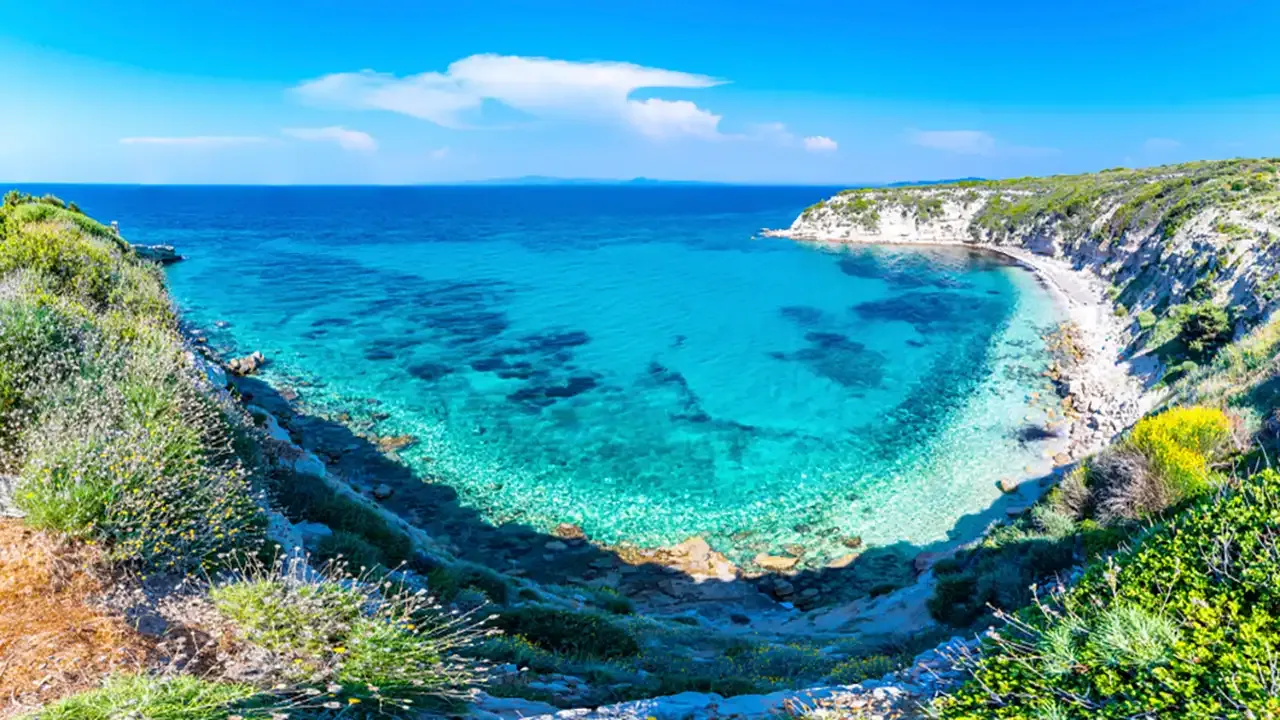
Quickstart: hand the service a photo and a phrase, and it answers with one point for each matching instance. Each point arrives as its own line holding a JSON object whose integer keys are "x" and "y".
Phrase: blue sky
{"x": 744, "y": 91}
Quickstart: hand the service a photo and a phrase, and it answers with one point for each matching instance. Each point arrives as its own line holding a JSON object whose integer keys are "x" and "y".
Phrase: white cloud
{"x": 820, "y": 143}
{"x": 206, "y": 141}
{"x": 964, "y": 142}
{"x": 541, "y": 87}
{"x": 661, "y": 119}
{"x": 1157, "y": 145}
{"x": 346, "y": 139}
{"x": 439, "y": 153}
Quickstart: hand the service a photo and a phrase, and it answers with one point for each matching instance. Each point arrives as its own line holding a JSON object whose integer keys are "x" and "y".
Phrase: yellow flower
{"x": 353, "y": 701}
{"x": 339, "y": 650}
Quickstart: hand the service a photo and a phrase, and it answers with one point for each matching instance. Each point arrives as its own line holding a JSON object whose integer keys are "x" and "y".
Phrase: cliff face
{"x": 1161, "y": 236}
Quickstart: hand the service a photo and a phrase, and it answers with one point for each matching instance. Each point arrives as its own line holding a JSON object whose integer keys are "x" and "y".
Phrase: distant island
{"x": 537, "y": 180}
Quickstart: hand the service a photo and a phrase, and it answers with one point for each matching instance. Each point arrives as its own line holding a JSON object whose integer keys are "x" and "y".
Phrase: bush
{"x": 303, "y": 497}
{"x": 611, "y": 600}
{"x": 75, "y": 266}
{"x": 1204, "y": 329}
{"x": 1124, "y": 486}
{"x": 376, "y": 647}
{"x": 351, "y": 549}
{"x": 1146, "y": 320}
{"x": 177, "y": 697}
{"x": 572, "y": 633}
{"x": 872, "y": 667}
{"x": 1178, "y": 443}
{"x": 136, "y": 456}
{"x": 41, "y": 346}
{"x": 1184, "y": 625}
{"x": 1131, "y": 637}
{"x": 446, "y": 582}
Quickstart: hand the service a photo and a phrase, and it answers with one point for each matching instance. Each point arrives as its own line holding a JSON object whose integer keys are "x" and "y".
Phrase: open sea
{"x": 629, "y": 359}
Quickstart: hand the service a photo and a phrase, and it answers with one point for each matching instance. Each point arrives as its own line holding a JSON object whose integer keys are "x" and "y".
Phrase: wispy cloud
{"x": 964, "y": 142}
{"x": 1160, "y": 144}
{"x": 346, "y": 139}
{"x": 779, "y": 134}
{"x": 198, "y": 141}
{"x": 974, "y": 142}
{"x": 820, "y": 143}
{"x": 541, "y": 87}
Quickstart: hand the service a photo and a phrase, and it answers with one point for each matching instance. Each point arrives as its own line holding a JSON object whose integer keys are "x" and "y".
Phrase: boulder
{"x": 853, "y": 543}
{"x": 393, "y": 443}
{"x": 163, "y": 254}
{"x": 312, "y": 533}
{"x": 569, "y": 531}
{"x": 776, "y": 563}
{"x": 270, "y": 425}
{"x": 308, "y": 464}
{"x": 382, "y": 491}
{"x": 486, "y": 707}
{"x": 843, "y": 561}
{"x": 247, "y": 365}
{"x": 783, "y": 588}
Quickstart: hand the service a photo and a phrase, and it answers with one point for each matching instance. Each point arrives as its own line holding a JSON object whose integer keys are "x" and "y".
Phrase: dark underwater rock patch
{"x": 931, "y": 310}
{"x": 331, "y": 322}
{"x": 899, "y": 272}
{"x": 802, "y": 315}
{"x": 429, "y": 371}
{"x": 543, "y": 395}
{"x": 840, "y": 359}
{"x": 553, "y": 342}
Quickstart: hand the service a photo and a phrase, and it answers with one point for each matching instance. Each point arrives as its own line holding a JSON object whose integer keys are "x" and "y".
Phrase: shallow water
{"x": 627, "y": 359}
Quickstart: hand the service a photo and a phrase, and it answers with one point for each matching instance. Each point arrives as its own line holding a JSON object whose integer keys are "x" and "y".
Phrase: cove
{"x": 628, "y": 359}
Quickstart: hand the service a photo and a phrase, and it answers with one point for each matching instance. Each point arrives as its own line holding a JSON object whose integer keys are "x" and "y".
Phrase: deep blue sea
{"x": 629, "y": 359}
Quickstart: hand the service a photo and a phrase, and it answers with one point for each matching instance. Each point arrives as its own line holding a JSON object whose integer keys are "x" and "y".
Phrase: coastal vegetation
{"x": 114, "y": 437}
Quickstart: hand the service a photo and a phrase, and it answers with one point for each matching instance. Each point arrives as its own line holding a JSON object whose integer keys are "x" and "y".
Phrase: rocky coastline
{"x": 1102, "y": 391}
{"x": 1099, "y": 395}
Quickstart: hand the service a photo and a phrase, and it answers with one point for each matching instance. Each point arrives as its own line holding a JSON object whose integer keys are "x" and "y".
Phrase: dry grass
{"x": 52, "y": 641}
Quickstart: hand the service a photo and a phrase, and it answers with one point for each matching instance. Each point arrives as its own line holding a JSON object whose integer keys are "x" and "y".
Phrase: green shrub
{"x": 1179, "y": 371}
{"x": 138, "y": 457}
{"x": 872, "y": 667}
{"x": 375, "y": 647}
{"x": 612, "y": 601}
{"x": 583, "y": 634}
{"x": 999, "y": 573}
{"x": 1205, "y": 328}
{"x": 351, "y": 549}
{"x": 1183, "y": 625}
{"x": 446, "y": 582}
{"x": 75, "y": 266}
{"x": 303, "y": 497}
{"x": 1146, "y": 320}
{"x": 176, "y": 697}
{"x": 41, "y": 346}
{"x": 1131, "y": 637}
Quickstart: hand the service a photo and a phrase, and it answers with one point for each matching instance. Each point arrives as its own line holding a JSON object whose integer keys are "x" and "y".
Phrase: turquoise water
{"x": 626, "y": 359}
